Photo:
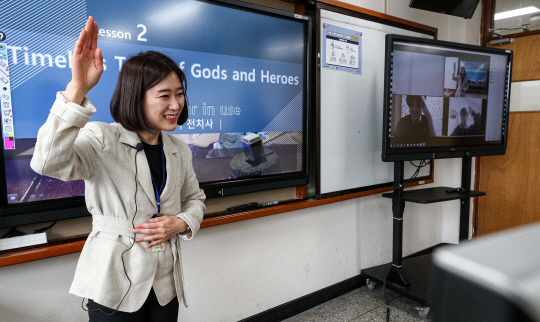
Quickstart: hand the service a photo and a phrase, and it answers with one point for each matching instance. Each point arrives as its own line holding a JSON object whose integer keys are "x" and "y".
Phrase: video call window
{"x": 438, "y": 95}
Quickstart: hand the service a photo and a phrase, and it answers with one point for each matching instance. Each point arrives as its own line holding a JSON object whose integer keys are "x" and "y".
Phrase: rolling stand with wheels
{"x": 410, "y": 276}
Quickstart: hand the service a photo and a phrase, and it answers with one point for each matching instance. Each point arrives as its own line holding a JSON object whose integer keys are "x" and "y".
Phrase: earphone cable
{"x": 125, "y": 251}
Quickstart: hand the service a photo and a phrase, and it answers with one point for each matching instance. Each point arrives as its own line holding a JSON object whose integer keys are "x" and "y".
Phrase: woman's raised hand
{"x": 86, "y": 62}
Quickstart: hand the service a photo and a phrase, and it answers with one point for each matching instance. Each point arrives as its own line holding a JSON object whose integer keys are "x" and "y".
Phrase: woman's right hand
{"x": 86, "y": 62}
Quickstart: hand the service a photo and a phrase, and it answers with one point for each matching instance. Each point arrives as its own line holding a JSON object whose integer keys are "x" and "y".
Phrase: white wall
{"x": 238, "y": 270}
{"x": 525, "y": 96}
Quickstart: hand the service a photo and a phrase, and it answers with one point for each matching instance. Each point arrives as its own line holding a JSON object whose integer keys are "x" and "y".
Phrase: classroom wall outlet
{"x": 23, "y": 241}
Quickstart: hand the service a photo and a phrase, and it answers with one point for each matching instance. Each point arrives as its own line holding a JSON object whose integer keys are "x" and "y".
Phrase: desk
{"x": 491, "y": 278}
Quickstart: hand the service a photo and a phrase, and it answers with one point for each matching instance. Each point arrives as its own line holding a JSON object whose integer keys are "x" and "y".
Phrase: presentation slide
{"x": 241, "y": 81}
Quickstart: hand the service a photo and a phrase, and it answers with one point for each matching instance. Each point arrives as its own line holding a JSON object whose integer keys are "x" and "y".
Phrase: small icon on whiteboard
{"x": 8, "y": 129}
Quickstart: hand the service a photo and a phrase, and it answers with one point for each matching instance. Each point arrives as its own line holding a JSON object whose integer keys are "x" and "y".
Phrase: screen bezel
{"x": 390, "y": 154}
{"x": 73, "y": 207}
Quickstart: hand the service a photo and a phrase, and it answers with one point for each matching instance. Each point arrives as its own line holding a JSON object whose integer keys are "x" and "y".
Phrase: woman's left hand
{"x": 160, "y": 229}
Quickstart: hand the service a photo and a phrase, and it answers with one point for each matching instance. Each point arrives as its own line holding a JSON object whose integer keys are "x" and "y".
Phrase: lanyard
{"x": 156, "y": 191}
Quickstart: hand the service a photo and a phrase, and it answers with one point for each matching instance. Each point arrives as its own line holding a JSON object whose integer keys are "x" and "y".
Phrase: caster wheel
{"x": 422, "y": 311}
{"x": 370, "y": 284}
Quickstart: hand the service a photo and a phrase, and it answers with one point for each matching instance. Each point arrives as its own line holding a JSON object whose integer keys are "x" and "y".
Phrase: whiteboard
{"x": 351, "y": 111}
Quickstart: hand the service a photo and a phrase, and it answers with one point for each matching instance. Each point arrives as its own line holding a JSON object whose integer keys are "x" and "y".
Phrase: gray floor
{"x": 362, "y": 305}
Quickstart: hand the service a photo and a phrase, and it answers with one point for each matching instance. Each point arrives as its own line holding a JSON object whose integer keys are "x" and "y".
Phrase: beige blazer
{"x": 119, "y": 193}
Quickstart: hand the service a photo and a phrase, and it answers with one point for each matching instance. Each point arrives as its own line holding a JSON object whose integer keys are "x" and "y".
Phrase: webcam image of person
{"x": 418, "y": 125}
{"x": 462, "y": 128}
{"x": 462, "y": 81}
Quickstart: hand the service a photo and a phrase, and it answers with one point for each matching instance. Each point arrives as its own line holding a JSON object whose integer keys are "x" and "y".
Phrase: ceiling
{"x": 512, "y": 25}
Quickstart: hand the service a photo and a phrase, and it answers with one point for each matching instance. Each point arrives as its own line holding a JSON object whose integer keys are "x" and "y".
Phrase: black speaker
{"x": 459, "y": 8}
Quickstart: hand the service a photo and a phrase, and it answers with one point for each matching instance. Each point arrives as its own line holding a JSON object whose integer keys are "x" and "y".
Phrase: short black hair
{"x": 413, "y": 100}
{"x": 138, "y": 74}
{"x": 463, "y": 111}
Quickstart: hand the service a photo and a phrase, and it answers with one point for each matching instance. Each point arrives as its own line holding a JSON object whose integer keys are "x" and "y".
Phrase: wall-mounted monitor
{"x": 444, "y": 99}
{"x": 459, "y": 8}
{"x": 248, "y": 74}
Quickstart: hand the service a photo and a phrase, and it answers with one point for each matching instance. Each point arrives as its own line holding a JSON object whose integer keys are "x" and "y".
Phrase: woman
{"x": 462, "y": 81}
{"x": 140, "y": 186}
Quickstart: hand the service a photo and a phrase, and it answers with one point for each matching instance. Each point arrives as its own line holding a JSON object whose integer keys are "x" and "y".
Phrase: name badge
{"x": 158, "y": 247}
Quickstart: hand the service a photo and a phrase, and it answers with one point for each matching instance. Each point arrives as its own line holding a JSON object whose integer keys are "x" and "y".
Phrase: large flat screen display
{"x": 247, "y": 71}
{"x": 444, "y": 99}
{"x": 460, "y": 8}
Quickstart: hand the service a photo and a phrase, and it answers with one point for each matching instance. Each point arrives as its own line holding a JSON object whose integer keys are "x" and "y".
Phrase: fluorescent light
{"x": 516, "y": 12}
{"x": 182, "y": 12}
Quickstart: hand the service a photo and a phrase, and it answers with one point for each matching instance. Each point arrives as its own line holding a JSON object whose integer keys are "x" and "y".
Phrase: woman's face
{"x": 163, "y": 104}
{"x": 463, "y": 72}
